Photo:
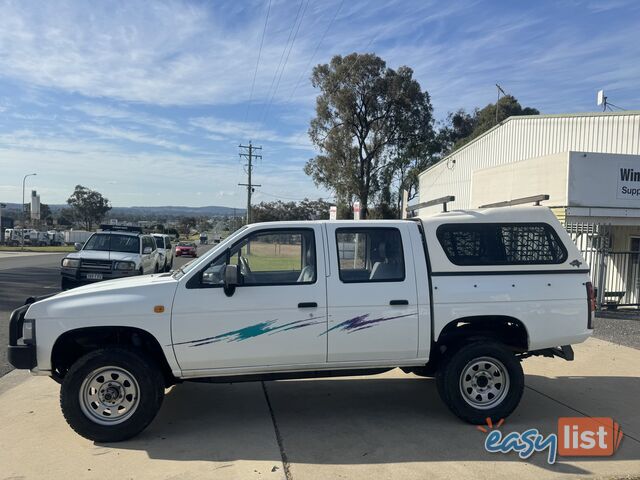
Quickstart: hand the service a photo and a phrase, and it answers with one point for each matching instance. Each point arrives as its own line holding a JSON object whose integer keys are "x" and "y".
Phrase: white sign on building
{"x": 333, "y": 212}
{"x": 628, "y": 176}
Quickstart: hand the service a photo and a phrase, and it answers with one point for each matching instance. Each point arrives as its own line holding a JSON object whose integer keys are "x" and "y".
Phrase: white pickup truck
{"x": 463, "y": 296}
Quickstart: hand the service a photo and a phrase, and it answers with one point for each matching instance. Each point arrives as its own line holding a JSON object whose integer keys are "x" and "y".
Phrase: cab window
{"x": 370, "y": 255}
{"x": 273, "y": 257}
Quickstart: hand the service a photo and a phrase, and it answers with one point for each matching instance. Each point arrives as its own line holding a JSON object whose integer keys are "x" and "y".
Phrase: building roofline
{"x": 532, "y": 117}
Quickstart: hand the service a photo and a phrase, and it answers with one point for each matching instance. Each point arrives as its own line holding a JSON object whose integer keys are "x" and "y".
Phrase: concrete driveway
{"x": 386, "y": 426}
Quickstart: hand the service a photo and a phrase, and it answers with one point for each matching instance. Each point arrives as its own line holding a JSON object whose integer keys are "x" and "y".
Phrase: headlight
{"x": 29, "y": 331}
{"x": 124, "y": 266}
{"x": 71, "y": 262}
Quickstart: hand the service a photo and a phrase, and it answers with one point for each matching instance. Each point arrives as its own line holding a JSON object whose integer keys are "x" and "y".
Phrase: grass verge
{"x": 58, "y": 249}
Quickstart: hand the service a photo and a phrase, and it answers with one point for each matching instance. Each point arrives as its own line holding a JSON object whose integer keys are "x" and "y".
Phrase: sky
{"x": 147, "y": 102}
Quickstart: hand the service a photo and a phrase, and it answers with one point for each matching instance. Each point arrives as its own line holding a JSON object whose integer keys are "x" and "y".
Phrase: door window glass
{"x": 370, "y": 255}
{"x": 269, "y": 258}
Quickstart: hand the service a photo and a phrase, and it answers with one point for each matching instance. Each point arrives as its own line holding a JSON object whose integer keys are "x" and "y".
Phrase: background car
{"x": 186, "y": 249}
{"x": 165, "y": 249}
{"x": 113, "y": 252}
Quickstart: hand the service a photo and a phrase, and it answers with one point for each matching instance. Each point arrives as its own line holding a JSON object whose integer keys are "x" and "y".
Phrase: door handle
{"x": 307, "y": 305}
{"x": 399, "y": 302}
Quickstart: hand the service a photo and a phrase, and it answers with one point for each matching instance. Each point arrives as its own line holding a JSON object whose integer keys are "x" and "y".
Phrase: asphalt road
{"x": 23, "y": 276}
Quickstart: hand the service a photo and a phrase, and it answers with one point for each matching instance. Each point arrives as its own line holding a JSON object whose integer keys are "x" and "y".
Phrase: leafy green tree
{"x": 462, "y": 127}
{"x": 281, "y": 211}
{"x": 66, "y": 217}
{"x": 367, "y": 117}
{"x": 186, "y": 224}
{"x": 89, "y": 206}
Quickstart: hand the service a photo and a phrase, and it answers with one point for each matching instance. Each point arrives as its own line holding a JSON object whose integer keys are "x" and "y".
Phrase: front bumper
{"x": 22, "y": 356}
{"x": 19, "y": 354}
{"x": 79, "y": 275}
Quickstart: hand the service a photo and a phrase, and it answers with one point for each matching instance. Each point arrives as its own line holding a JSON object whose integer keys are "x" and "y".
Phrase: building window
{"x": 370, "y": 255}
{"x": 501, "y": 244}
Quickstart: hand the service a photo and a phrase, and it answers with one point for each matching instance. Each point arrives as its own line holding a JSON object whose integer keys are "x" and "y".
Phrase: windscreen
{"x": 113, "y": 243}
{"x": 159, "y": 242}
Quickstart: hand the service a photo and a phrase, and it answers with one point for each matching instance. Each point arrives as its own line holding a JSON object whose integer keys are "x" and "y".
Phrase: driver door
{"x": 277, "y": 316}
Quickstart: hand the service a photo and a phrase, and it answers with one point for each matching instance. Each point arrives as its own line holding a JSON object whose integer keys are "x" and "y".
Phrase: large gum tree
{"x": 370, "y": 119}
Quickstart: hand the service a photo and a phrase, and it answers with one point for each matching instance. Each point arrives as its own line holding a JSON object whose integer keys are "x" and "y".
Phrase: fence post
{"x": 601, "y": 278}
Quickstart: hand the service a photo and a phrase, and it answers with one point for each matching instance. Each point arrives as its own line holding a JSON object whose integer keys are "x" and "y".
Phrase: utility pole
{"x": 249, "y": 167}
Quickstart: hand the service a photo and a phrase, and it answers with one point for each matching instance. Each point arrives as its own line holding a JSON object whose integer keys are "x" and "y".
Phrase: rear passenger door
{"x": 372, "y": 297}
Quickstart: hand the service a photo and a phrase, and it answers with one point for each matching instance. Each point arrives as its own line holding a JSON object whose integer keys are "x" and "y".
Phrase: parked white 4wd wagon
{"x": 464, "y": 296}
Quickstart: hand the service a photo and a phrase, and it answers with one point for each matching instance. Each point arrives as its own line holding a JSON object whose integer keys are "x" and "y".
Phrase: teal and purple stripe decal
{"x": 362, "y": 322}
{"x": 255, "y": 330}
{"x": 355, "y": 324}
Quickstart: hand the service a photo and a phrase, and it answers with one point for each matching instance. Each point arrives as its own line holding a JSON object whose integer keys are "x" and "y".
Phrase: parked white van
{"x": 463, "y": 296}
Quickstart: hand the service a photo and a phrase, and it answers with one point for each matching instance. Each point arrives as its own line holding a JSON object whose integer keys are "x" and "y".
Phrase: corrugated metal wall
{"x": 519, "y": 138}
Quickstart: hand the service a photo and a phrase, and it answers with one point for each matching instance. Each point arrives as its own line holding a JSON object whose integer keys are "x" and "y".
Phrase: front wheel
{"x": 66, "y": 284}
{"x": 480, "y": 380}
{"x": 111, "y": 394}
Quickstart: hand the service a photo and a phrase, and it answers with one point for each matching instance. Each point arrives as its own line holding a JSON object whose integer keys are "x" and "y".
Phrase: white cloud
{"x": 165, "y": 53}
{"x": 111, "y": 132}
{"x": 221, "y": 129}
{"x": 108, "y": 112}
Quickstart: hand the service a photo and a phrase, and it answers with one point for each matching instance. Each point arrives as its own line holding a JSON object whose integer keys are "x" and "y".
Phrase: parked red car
{"x": 184, "y": 249}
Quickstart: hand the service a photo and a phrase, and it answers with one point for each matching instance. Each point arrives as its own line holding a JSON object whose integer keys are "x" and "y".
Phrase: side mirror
{"x": 230, "y": 279}
{"x": 77, "y": 246}
{"x": 146, "y": 251}
{"x": 231, "y": 276}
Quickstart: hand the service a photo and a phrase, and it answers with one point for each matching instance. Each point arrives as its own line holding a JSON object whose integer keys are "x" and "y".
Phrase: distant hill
{"x": 165, "y": 211}
{"x": 177, "y": 211}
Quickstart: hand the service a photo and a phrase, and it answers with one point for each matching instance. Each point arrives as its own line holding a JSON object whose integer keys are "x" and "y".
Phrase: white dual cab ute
{"x": 463, "y": 296}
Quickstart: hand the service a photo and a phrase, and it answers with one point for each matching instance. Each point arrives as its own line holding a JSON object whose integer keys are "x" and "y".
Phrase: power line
{"x": 315, "y": 51}
{"x": 284, "y": 65}
{"x": 255, "y": 73}
{"x": 275, "y": 75}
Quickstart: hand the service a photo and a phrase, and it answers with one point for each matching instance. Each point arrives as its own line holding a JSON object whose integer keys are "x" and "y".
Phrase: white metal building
{"x": 588, "y": 164}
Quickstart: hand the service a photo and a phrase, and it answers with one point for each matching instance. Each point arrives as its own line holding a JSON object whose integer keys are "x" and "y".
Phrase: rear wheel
{"x": 111, "y": 394}
{"x": 480, "y": 380}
